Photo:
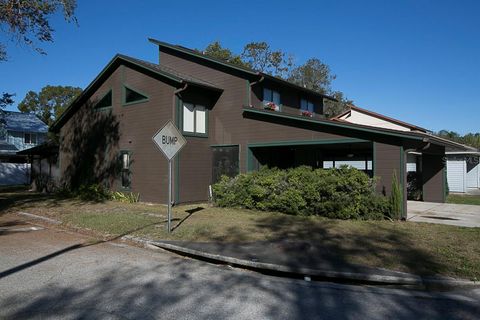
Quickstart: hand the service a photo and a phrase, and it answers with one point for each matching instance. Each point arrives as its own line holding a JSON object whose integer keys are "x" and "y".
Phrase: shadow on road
{"x": 181, "y": 289}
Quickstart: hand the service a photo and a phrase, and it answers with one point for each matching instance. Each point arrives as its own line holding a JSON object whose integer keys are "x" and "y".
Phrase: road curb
{"x": 400, "y": 279}
{"x": 403, "y": 279}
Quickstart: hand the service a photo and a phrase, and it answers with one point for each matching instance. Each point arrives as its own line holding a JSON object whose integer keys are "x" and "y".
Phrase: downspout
{"x": 250, "y": 89}
{"x": 176, "y": 162}
{"x": 175, "y": 93}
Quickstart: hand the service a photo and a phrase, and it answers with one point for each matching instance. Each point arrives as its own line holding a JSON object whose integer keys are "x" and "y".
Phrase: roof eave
{"x": 118, "y": 58}
{"x": 394, "y": 133}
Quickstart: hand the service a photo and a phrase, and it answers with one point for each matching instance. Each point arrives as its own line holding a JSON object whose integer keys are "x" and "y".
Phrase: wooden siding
{"x": 17, "y": 138}
{"x": 120, "y": 128}
{"x": 91, "y": 140}
{"x": 227, "y": 125}
{"x": 289, "y": 98}
{"x": 433, "y": 175}
{"x": 387, "y": 160}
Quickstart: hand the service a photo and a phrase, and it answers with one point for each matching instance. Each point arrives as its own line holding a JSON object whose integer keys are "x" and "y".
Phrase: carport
{"x": 316, "y": 154}
{"x": 380, "y": 152}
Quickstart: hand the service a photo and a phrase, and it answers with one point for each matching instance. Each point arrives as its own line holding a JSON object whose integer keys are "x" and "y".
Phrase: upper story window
{"x": 105, "y": 101}
{"x": 3, "y": 134}
{"x": 30, "y": 138}
{"x": 195, "y": 119}
{"x": 131, "y": 96}
{"x": 271, "y": 96}
{"x": 307, "y": 105}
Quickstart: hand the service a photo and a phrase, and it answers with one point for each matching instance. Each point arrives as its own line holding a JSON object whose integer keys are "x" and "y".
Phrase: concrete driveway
{"x": 463, "y": 215}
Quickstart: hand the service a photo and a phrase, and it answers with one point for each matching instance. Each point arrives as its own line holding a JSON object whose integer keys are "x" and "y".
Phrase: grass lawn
{"x": 418, "y": 248}
{"x": 463, "y": 199}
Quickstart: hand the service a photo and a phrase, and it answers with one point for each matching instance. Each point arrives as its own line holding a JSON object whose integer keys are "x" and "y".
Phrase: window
{"x": 125, "y": 161}
{"x": 133, "y": 96}
{"x": 225, "y": 162}
{"x": 195, "y": 119}
{"x": 30, "y": 138}
{"x": 271, "y": 96}
{"x": 105, "y": 101}
{"x": 306, "y": 105}
{"x": 3, "y": 133}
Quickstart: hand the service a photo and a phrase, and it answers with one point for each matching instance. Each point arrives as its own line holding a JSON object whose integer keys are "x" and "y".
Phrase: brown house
{"x": 234, "y": 119}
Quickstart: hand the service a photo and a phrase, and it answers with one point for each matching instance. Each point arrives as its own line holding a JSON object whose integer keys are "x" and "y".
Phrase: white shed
{"x": 463, "y": 171}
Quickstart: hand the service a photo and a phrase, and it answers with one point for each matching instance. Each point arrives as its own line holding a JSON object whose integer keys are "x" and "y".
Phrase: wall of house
{"x": 227, "y": 125}
{"x": 290, "y": 98}
{"x": 387, "y": 160}
{"x": 433, "y": 176}
{"x": 91, "y": 140}
{"x": 17, "y": 138}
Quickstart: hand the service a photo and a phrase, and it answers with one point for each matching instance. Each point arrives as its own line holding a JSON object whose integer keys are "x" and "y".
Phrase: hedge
{"x": 344, "y": 193}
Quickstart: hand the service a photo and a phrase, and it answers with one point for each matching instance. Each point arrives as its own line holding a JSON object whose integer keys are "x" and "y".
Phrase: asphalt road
{"x": 48, "y": 274}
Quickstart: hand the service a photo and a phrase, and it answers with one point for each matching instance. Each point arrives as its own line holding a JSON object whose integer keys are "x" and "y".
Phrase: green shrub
{"x": 97, "y": 192}
{"x": 128, "y": 197}
{"x": 396, "y": 198}
{"x": 344, "y": 193}
{"x": 93, "y": 192}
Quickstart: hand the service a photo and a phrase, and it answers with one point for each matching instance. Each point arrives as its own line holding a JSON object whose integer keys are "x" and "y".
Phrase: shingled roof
{"x": 24, "y": 122}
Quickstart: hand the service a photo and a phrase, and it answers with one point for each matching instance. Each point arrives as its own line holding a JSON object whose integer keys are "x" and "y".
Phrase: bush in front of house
{"x": 344, "y": 193}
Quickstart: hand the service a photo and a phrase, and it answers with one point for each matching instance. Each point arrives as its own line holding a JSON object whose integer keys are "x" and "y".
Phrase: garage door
{"x": 456, "y": 175}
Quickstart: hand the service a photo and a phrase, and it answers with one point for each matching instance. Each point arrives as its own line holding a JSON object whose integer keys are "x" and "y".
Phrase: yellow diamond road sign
{"x": 169, "y": 140}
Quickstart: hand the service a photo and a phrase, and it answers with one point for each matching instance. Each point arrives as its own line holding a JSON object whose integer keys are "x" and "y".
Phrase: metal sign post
{"x": 169, "y": 212}
{"x": 170, "y": 141}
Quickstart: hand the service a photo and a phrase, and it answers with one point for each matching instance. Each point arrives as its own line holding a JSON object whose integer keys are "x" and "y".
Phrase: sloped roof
{"x": 24, "y": 122}
{"x": 380, "y": 116}
{"x": 171, "y": 72}
{"x": 178, "y": 78}
{"x": 7, "y": 148}
{"x": 412, "y": 135}
{"x": 46, "y": 148}
{"x": 233, "y": 66}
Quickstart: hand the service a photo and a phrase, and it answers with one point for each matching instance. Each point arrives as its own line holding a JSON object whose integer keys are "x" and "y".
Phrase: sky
{"x": 414, "y": 60}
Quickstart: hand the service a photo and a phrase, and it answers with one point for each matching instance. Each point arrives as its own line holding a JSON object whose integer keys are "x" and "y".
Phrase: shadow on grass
{"x": 324, "y": 244}
{"x": 22, "y": 198}
{"x": 190, "y": 213}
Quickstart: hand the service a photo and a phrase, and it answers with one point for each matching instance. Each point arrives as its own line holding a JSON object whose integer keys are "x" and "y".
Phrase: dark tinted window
{"x": 105, "y": 102}
{"x": 225, "y": 162}
{"x": 133, "y": 96}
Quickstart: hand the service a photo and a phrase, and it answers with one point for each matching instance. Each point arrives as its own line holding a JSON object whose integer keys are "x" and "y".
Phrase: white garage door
{"x": 456, "y": 175}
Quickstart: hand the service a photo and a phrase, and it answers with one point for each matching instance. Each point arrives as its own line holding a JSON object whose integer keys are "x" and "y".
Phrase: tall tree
{"x": 314, "y": 75}
{"x": 216, "y": 50}
{"x": 471, "y": 139}
{"x": 260, "y": 57}
{"x": 334, "y": 108}
{"x": 28, "y": 21}
{"x": 5, "y": 100}
{"x": 50, "y": 102}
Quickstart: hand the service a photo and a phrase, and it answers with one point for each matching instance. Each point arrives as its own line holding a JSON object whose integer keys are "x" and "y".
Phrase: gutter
{"x": 175, "y": 93}
{"x": 250, "y": 88}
